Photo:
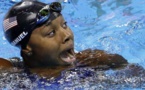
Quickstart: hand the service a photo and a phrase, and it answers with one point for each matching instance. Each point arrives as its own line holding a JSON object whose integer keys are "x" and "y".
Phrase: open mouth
{"x": 68, "y": 56}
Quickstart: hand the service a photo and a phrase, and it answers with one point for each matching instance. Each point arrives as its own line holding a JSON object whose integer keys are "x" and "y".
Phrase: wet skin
{"x": 51, "y": 45}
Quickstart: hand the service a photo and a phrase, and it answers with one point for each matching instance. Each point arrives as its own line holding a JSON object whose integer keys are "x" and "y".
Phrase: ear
{"x": 27, "y": 50}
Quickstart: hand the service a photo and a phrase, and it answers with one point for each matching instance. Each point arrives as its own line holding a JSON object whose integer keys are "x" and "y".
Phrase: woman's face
{"x": 53, "y": 44}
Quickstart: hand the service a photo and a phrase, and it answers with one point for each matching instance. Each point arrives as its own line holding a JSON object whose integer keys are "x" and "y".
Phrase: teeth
{"x": 72, "y": 51}
{"x": 68, "y": 56}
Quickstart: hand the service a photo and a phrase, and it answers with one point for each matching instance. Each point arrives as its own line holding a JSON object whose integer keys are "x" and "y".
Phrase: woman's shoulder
{"x": 5, "y": 63}
{"x": 11, "y": 62}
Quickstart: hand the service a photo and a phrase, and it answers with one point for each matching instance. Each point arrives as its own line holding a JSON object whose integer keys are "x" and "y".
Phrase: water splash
{"x": 131, "y": 77}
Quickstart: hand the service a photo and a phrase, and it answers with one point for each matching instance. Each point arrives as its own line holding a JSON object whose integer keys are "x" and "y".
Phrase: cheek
{"x": 50, "y": 46}
{"x": 47, "y": 46}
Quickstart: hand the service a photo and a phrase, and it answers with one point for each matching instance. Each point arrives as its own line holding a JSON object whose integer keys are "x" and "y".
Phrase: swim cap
{"x": 24, "y": 17}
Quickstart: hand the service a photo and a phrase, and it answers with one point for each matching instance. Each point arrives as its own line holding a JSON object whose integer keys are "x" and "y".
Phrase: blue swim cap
{"x": 23, "y": 18}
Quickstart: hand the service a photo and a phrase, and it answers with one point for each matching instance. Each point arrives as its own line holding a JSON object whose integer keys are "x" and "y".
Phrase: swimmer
{"x": 46, "y": 42}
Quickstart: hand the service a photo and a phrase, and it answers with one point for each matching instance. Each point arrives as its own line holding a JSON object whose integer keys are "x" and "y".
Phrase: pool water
{"x": 116, "y": 26}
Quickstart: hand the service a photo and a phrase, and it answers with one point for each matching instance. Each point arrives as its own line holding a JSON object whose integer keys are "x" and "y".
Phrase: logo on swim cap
{"x": 10, "y": 23}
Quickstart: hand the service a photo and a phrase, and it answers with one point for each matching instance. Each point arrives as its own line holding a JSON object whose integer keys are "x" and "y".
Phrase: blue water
{"x": 116, "y": 26}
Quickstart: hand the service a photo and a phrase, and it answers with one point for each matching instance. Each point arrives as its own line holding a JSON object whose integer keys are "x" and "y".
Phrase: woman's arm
{"x": 5, "y": 63}
{"x": 98, "y": 57}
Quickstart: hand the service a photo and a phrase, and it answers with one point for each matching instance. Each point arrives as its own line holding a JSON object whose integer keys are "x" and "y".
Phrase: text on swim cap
{"x": 19, "y": 38}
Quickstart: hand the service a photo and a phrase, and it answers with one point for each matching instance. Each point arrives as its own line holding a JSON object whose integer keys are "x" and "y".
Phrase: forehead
{"x": 56, "y": 21}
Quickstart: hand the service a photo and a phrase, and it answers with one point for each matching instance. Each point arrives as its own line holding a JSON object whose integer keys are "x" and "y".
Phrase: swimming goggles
{"x": 45, "y": 12}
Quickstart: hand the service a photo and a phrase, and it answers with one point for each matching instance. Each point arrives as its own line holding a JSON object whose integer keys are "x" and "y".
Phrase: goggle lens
{"x": 55, "y": 7}
{"x": 44, "y": 13}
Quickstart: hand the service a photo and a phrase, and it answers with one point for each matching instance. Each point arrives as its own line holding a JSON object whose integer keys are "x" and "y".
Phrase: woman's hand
{"x": 98, "y": 57}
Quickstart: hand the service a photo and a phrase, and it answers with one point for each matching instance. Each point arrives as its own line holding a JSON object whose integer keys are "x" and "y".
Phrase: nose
{"x": 66, "y": 36}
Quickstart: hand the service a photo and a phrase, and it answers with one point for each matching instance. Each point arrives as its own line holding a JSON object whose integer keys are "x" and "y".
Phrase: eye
{"x": 51, "y": 34}
{"x": 64, "y": 25}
